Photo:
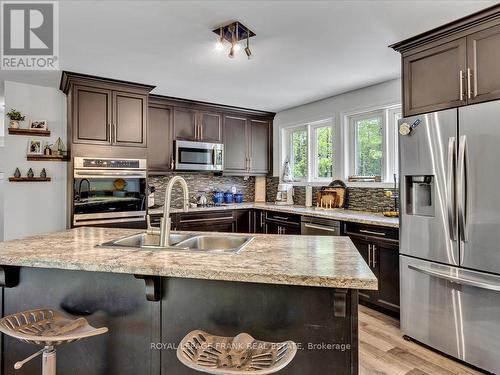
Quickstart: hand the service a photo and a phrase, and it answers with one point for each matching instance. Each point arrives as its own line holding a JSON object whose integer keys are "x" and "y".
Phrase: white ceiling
{"x": 303, "y": 51}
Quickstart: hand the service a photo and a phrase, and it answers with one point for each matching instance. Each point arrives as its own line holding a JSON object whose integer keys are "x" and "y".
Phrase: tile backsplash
{"x": 360, "y": 199}
{"x": 198, "y": 182}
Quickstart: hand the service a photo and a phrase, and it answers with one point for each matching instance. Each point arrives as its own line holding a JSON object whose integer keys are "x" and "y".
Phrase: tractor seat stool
{"x": 239, "y": 355}
{"x": 48, "y": 328}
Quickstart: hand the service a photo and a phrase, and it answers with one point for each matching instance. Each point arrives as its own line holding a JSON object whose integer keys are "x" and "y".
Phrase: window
{"x": 299, "y": 154}
{"x": 366, "y": 145}
{"x": 368, "y": 150}
{"x": 372, "y": 150}
{"x": 310, "y": 151}
{"x": 323, "y": 152}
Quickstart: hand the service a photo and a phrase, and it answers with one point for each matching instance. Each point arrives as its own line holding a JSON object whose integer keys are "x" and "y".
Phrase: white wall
{"x": 34, "y": 207}
{"x": 383, "y": 94}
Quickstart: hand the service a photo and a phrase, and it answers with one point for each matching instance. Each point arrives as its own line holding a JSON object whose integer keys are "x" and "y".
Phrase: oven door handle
{"x": 110, "y": 174}
{"x": 328, "y": 229}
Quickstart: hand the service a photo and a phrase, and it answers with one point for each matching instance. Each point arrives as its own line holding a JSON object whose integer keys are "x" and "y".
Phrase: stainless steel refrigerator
{"x": 450, "y": 232}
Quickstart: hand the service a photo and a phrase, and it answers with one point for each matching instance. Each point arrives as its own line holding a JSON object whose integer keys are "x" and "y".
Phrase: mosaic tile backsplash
{"x": 361, "y": 199}
{"x": 201, "y": 182}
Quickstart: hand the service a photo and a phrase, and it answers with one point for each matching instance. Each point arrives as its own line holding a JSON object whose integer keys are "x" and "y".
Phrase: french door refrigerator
{"x": 450, "y": 232}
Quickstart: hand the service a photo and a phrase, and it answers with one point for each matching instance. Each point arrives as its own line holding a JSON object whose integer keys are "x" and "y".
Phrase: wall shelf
{"x": 30, "y": 179}
{"x": 47, "y": 157}
{"x": 32, "y": 132}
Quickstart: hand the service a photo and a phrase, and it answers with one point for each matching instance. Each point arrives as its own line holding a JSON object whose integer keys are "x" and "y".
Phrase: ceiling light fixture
{"x": 233, "y": 33}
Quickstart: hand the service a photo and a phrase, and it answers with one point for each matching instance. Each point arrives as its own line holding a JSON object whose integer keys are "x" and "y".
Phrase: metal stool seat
{"x": 48, "y": 328}
{"x": 234, "y": 355}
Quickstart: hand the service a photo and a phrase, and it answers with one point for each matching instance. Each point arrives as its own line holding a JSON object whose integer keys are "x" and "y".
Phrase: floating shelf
{"x": 32, "y": 132}
{"x": 30, "y": 179}
{"x": 48, "y": 157}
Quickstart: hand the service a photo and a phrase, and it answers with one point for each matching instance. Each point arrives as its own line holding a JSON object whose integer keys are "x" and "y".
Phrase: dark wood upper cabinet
{"x": 235, "y": 145}
{"x": 483, "y": 55}
{"x": 259, "y": 146}
{"x": 210, "y": 127}
{"x": 434, "y": 78}
{"x": 160, "y": 143}
{"x": 91, "y": 109}
{"x": 453, "y": 65}
{"x": 130, "y": 119}
{"x": 185, "y": 124}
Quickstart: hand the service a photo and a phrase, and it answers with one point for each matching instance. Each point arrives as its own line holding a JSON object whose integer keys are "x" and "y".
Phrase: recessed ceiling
{"x": 303, "y": 51}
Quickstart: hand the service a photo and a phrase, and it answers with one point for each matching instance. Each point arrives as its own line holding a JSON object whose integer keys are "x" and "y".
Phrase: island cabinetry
{"x": 311, "y": 317}
{"x": 112, "y": 300}
{"x": 452, "y": 65}
{"x": 379, "y": 246}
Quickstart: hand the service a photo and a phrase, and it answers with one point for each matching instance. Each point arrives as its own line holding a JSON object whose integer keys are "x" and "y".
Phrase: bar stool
{"x": 48, "y": 328}
{"x": 237, "y": 355}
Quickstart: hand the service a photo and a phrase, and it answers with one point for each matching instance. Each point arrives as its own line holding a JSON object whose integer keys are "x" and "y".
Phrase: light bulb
{"x": 237, "y": 47}
{"x": 231, "y": 51}
{"x": 219, "y": 45}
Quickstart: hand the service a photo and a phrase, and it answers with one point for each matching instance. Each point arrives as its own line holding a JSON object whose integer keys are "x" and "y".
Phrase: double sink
{"x": 183, "y": 242}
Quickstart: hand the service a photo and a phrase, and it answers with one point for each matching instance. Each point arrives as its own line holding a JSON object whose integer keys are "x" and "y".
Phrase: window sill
{"x": 380, "y": 185}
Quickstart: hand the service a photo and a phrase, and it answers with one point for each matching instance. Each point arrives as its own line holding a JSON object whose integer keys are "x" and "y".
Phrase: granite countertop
{"x": 362, "y": 217}
{"x": 318, "y": 261}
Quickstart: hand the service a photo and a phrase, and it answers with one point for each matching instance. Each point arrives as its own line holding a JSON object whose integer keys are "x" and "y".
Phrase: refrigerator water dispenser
{"x": 420, "y": 195}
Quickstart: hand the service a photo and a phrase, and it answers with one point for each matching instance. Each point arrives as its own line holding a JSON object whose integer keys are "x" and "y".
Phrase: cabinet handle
{"x": 172, "y": 163}
{"x": 469, "y": 85}
{"x": 261, "y": 219}
{"x": 196, "y": 131}
{"x": 369, "y": 255}
{"x": 461, "y": 78}
{"x": 279, "y": 217}
{"x": 249, "y": 164}
{"x": 372, "y": 232}
{"x": 114, "y": 132}
{"x": 206, "y": 219}
{"x": 374, "y": 256}
{"x": 108, "y": 135}
{"x": 201, "y": 132}
{"x": 283, "y": 230}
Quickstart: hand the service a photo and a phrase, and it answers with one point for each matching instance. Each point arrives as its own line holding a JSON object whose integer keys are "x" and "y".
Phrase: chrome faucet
{"x": 166, "y": 222}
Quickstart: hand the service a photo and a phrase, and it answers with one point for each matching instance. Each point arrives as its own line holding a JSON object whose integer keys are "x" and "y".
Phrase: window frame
{"x": 353, "y": 155}
{"x": 313, "y": 127}
{"x": 290, "y": 153}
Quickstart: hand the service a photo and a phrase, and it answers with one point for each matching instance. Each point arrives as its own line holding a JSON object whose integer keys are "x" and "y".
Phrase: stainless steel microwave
{"x": 198, "y": 156}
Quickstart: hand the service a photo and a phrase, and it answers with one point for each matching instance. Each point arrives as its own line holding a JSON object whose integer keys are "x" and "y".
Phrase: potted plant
{"x": 15, "y": 117}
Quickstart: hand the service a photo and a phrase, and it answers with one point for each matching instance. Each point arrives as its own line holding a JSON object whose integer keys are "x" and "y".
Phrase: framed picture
{"x": 38, "y": 124}
{"x": 35, "y": 147}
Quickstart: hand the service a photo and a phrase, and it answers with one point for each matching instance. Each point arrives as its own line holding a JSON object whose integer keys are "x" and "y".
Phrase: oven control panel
{"x": 111, "y": 163}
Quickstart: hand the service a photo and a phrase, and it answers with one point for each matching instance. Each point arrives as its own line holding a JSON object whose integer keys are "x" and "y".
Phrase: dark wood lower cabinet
{"x": 212, "y": 221}
{"x": 116, "y": 301}
{"x": 380, "y": 250}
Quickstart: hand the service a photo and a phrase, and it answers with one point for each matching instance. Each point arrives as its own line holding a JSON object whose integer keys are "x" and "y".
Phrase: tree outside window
{"x": 368, "y": 146}
{"x": 324, "y": 152}
{"x": 299, "y": 154}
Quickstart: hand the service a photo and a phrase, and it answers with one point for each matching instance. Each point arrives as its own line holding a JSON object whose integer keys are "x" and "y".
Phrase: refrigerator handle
{"x": 462, "y": 189}
{"x": 450, "y": 184}
{"x": 456, "y": 279}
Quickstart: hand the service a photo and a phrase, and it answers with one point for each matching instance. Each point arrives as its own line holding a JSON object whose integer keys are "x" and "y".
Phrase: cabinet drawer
{"x": 283, "y": 218}
{"x": 205, "y": 217}
{"x": 370, "y": 232}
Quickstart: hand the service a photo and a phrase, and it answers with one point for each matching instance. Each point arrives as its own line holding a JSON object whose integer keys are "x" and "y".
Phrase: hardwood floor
{"x": 382, "y": 350}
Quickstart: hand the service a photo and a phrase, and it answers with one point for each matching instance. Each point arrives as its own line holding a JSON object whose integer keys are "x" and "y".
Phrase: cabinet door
{"x": 130, "y": 119}
{"x": 365, "y": 249}
{"x": 244, "y": 221}
{"x": 483, "y": 54}
{"x": 259, "y": 146}
{"x": 235, "y": 144}
{"x": 387, "y": 262}
{"x": 271, "y": 228}
{"x": 185, "y": 124}
{"x": 258, "y": 221}
{"x": 159, "y": 138}
{"x": 210, "y": 127}
{"x": 91, "y": 115}
{"x": 290, "y": 229}
{"x": 434, "y": 79}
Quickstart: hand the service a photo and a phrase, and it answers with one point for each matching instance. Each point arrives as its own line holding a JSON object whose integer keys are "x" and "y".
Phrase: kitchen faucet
{"x": 166, "y": 222}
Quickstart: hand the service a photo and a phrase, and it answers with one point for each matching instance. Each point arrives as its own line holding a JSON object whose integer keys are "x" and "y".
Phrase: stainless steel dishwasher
{"x": 319, "y": 227}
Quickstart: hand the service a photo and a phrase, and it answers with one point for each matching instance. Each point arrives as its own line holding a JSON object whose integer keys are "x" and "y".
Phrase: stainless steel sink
{"x": 225, "y": 243}
{"x": 183, "y": 242}
{"x": 145, "y": 240}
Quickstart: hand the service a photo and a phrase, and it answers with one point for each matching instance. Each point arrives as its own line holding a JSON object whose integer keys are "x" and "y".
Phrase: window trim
{"x": 313, "y": 128}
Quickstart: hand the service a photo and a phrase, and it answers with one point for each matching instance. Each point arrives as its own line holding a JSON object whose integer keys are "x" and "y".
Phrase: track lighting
{"x": 233, "y": 33}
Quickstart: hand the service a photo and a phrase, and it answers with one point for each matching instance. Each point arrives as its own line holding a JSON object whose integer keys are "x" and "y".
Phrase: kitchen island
{"x": 300, "y": 288}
